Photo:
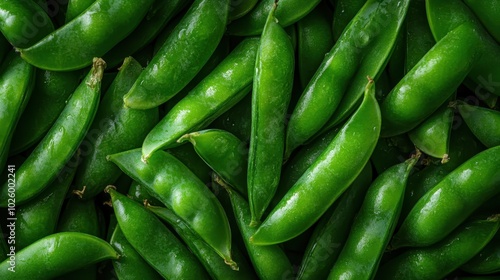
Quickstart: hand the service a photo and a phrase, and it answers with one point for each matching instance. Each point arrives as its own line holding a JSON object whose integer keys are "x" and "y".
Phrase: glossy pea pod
{"x": 484, "y": 123}
{"x": 438, "y": 260}
{"x": 210, "y": 260}
{"x": 451, "y": 201}
{"x": 228, "y": 83}
{"x": 332, "y": 230}
{"x": 272, "y": 89}
{"x": 226, "y": 155}
{"x": 76, "y": 7}
{"x": 115, "y": 128}
{"x": 487, "y": 12}
{"x": 487, "y": 261}
{"x": 188, "y": 47}
{"x": 344, "y": 12}
{"x": 16, "y": 84}
{"x": 327, "y": 178}
{"x": 374, "y": 224}
{"x": 91, "y": 34}
{"x": 239, "y": 8}
{"x": 288, "y": 12}
{"x": 420, "y": 93}
{"x": 362, "y": 50}
{"x": 183, "y": 193}
{"x": 154, "y": 241}
{"x": 55, "y": 255}
{"x": 62, "y": 140}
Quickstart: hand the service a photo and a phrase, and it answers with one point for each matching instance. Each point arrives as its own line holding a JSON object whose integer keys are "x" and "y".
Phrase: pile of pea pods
{"x": 250, "y": 139}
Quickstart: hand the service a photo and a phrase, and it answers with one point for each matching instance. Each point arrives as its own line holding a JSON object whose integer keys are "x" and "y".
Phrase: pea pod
{"x": 451, "y": 201}
{"x": 219, "y": 91}
{"x": 189, "y": 46}
{"x": 437, "y": 261}
{"x": 487, "y": 261}
{"x": 484, "y": 123}
{"x": 153, "y": 241}
{"x": 184, "y": 194}
{"x": 91, "y": 34}
{"x": 56, "y": 255}
{"x": 374, "y": 224}
{"x": 327, "y": 178}
{"x": 62, "y": 140}
{"x": 487, "y": 12}
{"x": 76, "y": 7}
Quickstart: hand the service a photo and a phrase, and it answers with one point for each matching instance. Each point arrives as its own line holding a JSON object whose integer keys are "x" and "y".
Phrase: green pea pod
{"x": 189, "y": 46}
{"x": 76, "y": 7}
{"x": 487, "y": 261}
{"x": 487, "y": 12}
{"x": 130, "y": 265}
{"x": 332, "y": 230}
{"x": 315, "y": 39}
{"x": 23, "y": 22}
{"x": 445, "y": 16}
{"x": 362, "y": 50}
{"x": 419, "y": 39}
{"x": 420, "y": 92}
{"x": 344, "y": 12}
{"x": 239, "y": 8}
{"x": 451, "y": 201}
{"x": 154, "y": 241}
{"x": 55, "y": 255}
{"x": 327, "y": 178}
{"x": 188, "y": 156}
{"x": 91, "y": 34}
{"x": 272, "y": 89}
{"x": 224, "y": 153}
{"x": 219, "y": 91}
{"x": 16, "y": 84}
{"x": 237, "y": 120}
{"x": 184, "y": 194}
{"x": 432, "y": 136}
{"x": 62, "y": 140}
{"x": 484, "y": 123}
{"x": 50, "y": 93}
{"x": 438, "y": 260}
{"x": 288, "y": 12}
{"x": 374, "y": 224}
{"x": 115, "y": 128}
{"x": 210, "y": 260}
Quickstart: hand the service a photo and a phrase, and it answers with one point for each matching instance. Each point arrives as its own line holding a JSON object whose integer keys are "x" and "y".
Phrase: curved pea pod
{"x": 344, "y": 12}
{"x": 239, "y": 8}
{"x": 16, "y": 84}
{"x": 438, "y": 260}
{"x": 332, "y": 230}
{"x": 237, "y": 120}
{"x": 224, "y": 153}
{"x": 23, "y": 22}
{"x": 451, "y": 201}
{"x": 487, "y": 261}
{"x": 362, "y": 50}
{"x": 327, "y": 178}
{"x": 188, "y": 47}
{"x": 374, "y": 224}
{"x": 484, "y": 123}
{"x": 55, "y": 255}
{"x": 183, "y": 193}
{"x": 154, "y": 241}
{"x": 76, "y": 7}
{"x": 62, "y": 140}
{"x": 432, "y": 136}
{"x": 51, "y": 90}
{"x": 115, "y": 128}
{"x": 488, "y": 13}
{"x": 420, "y": 92}
{"x": 445, "y": 16}
{"x": 91, "y": 34}
{"x": 219, "y": 91}
{"x": 288, "y": 12}
{"x": 315, "y": 39}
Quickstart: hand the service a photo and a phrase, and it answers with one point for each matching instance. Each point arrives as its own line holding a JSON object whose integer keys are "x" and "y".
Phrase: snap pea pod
{"x": 451, "y": 201}
{"x": 327, "y": 178}
{"x": 487, "y": 261}
{"x": 238, "y": 8}
{"x": 183, "y": 193}
{"x": 91, "y": 34}
{"x": 57, "y": 254}
{"x": 16, "y": 84}
{"x": 23, "y": 22}
{"x": 154, "y": 241}
{"x": 115, "y": 128}
{"x": 484, "y": 123}
{"x": 220, "y": 90}
{"x": 76, "y": 7}
{"x": 288, "y": 12}
{"x": 62, "y": 140}
{"x": 487, "y": 12}
{"x": 438, "y": 260}
{"x": 374, "y": 224}
{"x": 189, "y": 46}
